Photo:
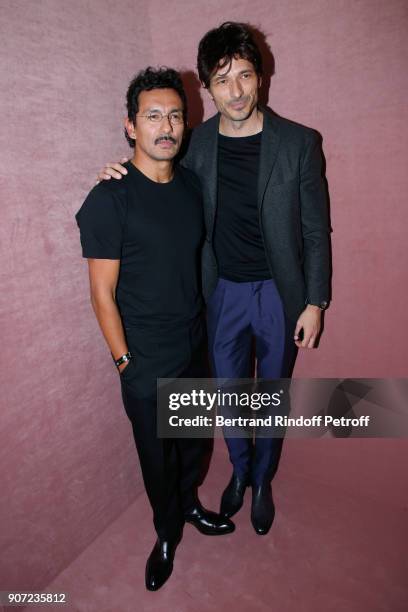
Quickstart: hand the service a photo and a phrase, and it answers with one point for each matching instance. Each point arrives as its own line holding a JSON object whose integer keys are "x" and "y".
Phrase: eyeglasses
{"x": 175, "y": 117}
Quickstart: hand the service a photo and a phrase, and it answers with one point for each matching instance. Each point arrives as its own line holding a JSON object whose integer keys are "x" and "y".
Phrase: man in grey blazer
{"x": 266, "y": 259}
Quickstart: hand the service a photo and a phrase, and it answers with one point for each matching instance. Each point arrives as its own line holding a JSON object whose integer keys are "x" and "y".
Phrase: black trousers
{"x": 172, "y": 468}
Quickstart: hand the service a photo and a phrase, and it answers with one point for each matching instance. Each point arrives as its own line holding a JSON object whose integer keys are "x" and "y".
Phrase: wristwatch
{"x": 123, "y": 359}
{"x": 322, "y": 305}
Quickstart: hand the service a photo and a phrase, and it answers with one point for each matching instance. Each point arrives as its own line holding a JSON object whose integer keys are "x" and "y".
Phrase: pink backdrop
{"x": 68, "y": 466}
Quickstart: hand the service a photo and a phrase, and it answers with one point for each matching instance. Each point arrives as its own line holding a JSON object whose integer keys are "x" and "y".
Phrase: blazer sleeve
{"x": 315, "y": 223}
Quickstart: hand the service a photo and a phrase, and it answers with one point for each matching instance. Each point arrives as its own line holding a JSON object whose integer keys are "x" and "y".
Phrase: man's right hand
{"x": 113, "y": 170}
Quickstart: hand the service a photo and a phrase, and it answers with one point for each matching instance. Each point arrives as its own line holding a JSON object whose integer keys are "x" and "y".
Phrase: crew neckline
{"x": 253, "y": 136}
{"x": 132, "y": 166}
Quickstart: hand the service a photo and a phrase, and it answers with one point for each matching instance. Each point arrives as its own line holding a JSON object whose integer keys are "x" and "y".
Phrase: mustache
{"x": 164, "y": 138}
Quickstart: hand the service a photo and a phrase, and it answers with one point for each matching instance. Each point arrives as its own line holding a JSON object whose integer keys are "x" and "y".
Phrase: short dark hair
{"x": 219, "y": 46}
{"x": 148, "y": 79}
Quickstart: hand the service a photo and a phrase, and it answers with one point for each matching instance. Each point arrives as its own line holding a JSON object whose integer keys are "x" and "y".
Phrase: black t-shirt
{"x": 156, "y": 230}
{"x": 238, "y": 243}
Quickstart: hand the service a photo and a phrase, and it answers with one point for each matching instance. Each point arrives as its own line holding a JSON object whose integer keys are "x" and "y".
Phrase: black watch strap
{"x": 123, "y": 359}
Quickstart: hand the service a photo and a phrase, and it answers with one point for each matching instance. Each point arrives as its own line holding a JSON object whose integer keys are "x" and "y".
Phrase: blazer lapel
{"x": 269, "y": 150}
{"x": 210, "y": 151}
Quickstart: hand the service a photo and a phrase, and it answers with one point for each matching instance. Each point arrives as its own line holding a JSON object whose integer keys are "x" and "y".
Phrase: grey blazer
{"x": 292, "y": 205}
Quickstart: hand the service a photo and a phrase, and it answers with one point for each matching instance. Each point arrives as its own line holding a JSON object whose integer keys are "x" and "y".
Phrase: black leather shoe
{"x": 233, "y": 496}
{"x": 160, "y": 564}
{"x": 207, "y": 522}
{"x": 262, "y": 509}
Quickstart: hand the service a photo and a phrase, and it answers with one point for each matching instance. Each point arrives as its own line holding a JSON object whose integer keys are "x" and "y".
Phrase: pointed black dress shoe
{"x": 262, "y": 509}
{"x": 208, "y": 522}
{"x": 160, "y": 564}
{"x": 233, "y": 496}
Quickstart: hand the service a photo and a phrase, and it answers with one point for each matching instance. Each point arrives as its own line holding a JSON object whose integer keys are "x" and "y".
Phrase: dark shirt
{"x": 156, "y": 230}
{"x": 238, "y": 243}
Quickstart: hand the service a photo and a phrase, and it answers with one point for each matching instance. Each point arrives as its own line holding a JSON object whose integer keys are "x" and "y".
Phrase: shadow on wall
{"x": 192, "y": 87}
{"x": 195, "y": 110}
{"x": 268, "y": 64}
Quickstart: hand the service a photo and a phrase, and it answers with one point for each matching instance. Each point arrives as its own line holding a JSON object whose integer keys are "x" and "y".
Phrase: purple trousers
{"x": 240, "y": 317}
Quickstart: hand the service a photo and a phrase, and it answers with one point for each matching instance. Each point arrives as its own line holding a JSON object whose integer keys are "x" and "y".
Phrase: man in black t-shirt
{"x": 144, "y": 271}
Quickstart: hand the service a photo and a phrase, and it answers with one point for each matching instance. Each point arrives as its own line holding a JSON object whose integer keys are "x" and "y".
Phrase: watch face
{"x": 323, "y": 305}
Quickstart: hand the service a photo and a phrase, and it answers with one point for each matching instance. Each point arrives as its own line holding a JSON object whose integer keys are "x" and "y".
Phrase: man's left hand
{"x": 309, "y": 321}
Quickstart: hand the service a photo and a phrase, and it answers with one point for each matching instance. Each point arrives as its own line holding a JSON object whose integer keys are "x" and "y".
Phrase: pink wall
{"x": 68, "y": 465}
